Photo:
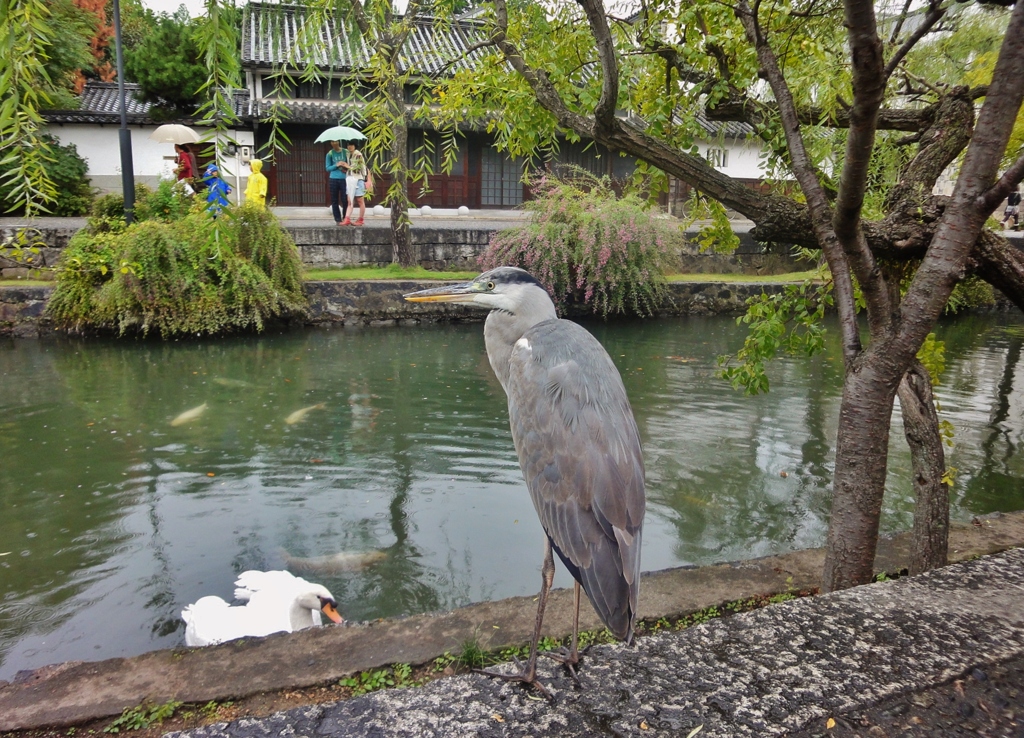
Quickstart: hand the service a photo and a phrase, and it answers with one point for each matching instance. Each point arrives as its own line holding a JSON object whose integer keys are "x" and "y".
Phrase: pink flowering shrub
{"x": 587, "y": 245}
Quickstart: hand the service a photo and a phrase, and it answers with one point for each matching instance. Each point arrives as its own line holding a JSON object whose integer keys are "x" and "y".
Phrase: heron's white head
{"x": 509, "y": 289}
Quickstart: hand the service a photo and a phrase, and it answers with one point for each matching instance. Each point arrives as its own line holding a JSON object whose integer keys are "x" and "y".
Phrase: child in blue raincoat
{"x": 217, "y": 190}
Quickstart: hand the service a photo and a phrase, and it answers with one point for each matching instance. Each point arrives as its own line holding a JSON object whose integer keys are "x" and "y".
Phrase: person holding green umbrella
{"x": 336, "y": 163}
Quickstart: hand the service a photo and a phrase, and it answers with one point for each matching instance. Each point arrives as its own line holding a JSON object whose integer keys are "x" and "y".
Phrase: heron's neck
{"x": 502, "y": 329}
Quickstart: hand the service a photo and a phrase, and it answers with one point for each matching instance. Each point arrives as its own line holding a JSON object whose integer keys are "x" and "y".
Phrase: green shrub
{"x": 108, "y": 209}
{"x": 167, "y": 202}
{"x": 586, "y": 245}
{"x": 192, "y": 275}
{"x": 971, "y": 292}
{"x": 67, "y": 170}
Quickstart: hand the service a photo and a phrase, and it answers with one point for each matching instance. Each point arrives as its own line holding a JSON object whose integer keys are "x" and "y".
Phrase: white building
{"x": 93, "y": 129}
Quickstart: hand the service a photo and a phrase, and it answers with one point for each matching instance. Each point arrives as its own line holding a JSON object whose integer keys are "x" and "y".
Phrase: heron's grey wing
{"x": 580, "y": 453}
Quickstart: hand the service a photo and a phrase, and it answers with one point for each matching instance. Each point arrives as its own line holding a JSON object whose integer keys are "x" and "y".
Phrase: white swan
{"x": 275, "y": 601}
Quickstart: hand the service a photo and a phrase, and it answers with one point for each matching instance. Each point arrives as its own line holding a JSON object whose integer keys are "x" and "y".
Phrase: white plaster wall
{"x": 743, "y": 160}
{"x": 99, "y": 145}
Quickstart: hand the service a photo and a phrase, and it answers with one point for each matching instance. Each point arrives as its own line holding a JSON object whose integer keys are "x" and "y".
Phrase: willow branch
{"x": 935, "y": 13}
{"x": 538, "y": 80}
{"x": 749, "y": 110}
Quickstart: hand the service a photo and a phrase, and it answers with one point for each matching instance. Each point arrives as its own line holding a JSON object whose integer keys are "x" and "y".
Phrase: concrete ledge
{"x": 771, "y": 672}
{"x": 76, "y": 692}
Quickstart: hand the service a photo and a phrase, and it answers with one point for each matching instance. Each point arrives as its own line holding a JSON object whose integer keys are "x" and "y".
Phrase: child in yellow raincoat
{"x": 256, "y": 189}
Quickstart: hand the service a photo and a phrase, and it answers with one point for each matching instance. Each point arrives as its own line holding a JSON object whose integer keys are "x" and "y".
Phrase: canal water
{"x": 306, "y": 447}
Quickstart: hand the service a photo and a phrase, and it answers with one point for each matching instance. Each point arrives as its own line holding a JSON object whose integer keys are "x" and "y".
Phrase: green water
{"x": 113, "y": 519}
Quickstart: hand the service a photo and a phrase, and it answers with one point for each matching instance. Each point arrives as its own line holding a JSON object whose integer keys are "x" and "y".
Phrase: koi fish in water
{"x": 333, "y": 563}
{"x": 299, "y": 414}
{"x": 190, "y": 415}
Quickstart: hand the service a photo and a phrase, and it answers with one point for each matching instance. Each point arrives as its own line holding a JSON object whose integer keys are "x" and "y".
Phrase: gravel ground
{"x": 985, "y": 702}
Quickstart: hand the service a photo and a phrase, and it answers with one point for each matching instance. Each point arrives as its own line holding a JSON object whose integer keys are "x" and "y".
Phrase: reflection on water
{"x": 319, "y": 444}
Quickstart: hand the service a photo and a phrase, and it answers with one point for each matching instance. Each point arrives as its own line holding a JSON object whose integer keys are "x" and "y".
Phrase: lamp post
{"x": 124, "y": 135}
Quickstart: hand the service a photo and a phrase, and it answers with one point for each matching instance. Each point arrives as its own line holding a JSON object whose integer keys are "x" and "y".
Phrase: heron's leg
{"x": 528, "y": 673}
{"x": 571, "y": 656}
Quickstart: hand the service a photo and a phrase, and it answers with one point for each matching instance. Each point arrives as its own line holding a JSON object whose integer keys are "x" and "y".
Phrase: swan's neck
{"x": 300, "y": 617}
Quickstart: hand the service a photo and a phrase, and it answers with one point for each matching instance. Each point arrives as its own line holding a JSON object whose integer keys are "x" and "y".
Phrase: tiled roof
{"x": 99, "y": 103}
{"x": 313, "y": 111}
{"x": 728, "y": 129}
{"x": 270, "y": 31}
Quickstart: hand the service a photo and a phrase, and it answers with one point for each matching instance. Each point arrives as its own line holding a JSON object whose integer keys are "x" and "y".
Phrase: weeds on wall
{"x": 178, "y": 274}
{"x": 587, "y": 245}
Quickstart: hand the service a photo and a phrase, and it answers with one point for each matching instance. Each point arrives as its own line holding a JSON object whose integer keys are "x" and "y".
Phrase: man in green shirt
{"x": 336, "y": 163}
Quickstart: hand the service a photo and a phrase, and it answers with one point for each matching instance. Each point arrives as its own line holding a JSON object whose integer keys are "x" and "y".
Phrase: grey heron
{"x": 577, "y": 443}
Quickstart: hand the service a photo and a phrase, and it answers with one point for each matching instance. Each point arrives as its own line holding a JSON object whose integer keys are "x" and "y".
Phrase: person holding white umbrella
{"x": 187, "y": 169}
{"x": 336, "y": 163}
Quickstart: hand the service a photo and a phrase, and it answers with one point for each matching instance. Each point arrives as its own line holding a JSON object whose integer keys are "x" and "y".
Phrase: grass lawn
{"x": 25, "y": 283}
{"x": 389, "y": 272}
{"x": 767, "y": 278}
{"x": 393, "y": 272}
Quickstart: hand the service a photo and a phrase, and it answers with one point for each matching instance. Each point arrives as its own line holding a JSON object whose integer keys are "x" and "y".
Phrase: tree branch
{"x": 538, "y": 80}
{"x": 604, "y": 111}
{"x": 868, "y": 92}
{"x": 819, "y": 210}
{"x": 962, "y": 222}
{"x": 748, "y": 110}
{"x": 1003, "y": 187}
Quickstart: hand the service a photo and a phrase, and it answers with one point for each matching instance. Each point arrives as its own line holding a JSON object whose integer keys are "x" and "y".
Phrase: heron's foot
{"x": 569, "y": 658}
{"x": 524, "y": 675}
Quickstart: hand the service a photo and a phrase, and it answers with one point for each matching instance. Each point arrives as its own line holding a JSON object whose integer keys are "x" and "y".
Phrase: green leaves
{"x": 25, "y": 39}
{"x": 168, "y": 65}
{"x": 789, "y": 322}
{"x": 399, "y": 675}
{"x": 587, "y": 245}
{"x": 141, "y": 717}
{"x": 192, "y": 275}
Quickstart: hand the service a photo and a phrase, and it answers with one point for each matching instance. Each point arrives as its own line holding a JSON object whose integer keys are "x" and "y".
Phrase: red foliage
{"x": 98, "y": 43}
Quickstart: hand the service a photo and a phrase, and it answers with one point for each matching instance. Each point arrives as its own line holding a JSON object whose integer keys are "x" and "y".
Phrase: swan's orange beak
{"x": 331, "y": 611}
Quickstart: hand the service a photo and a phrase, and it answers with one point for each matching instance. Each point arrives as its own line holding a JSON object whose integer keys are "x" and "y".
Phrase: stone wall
{"x": 381, "y": 303}
{"x": 21, "y": 311}
{"x": 433, "y": 248}
{"x": 47, "y": 242}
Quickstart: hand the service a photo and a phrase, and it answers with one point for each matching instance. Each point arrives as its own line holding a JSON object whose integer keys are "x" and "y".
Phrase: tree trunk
{"x": 931, "y": 511}
{"x": 401, "y": 240}
{"x": 859, "y": 482}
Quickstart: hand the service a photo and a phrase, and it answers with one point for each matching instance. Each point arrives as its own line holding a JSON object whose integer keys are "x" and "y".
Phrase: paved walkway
{"x": 320, "y": 217}
{"x": 780, "y": 669}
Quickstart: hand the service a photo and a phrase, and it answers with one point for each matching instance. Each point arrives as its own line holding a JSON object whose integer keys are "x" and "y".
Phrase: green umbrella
{"x": 340, "y": 133}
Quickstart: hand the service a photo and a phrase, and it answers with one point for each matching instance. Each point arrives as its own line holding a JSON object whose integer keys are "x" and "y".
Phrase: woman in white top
{"x": 355, "y": 184}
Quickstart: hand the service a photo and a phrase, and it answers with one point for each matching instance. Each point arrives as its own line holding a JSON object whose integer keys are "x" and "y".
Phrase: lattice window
{"x": 718, "y": 158}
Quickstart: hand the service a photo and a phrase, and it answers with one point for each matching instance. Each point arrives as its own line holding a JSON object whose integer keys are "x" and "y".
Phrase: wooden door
{"x": 301, "y": 175}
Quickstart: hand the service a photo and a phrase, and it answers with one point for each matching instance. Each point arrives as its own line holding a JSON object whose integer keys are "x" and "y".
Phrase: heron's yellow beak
{"x": 331, "y": 611}
{"x": 449, "y": 293}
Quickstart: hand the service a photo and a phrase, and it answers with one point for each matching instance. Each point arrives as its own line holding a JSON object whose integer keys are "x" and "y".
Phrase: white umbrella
{"x": 340, "y": 133}
{"x": 174, "y": 133}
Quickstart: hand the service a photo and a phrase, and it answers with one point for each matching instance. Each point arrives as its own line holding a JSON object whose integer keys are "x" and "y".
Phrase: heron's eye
{"x": 490, "y": 286}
